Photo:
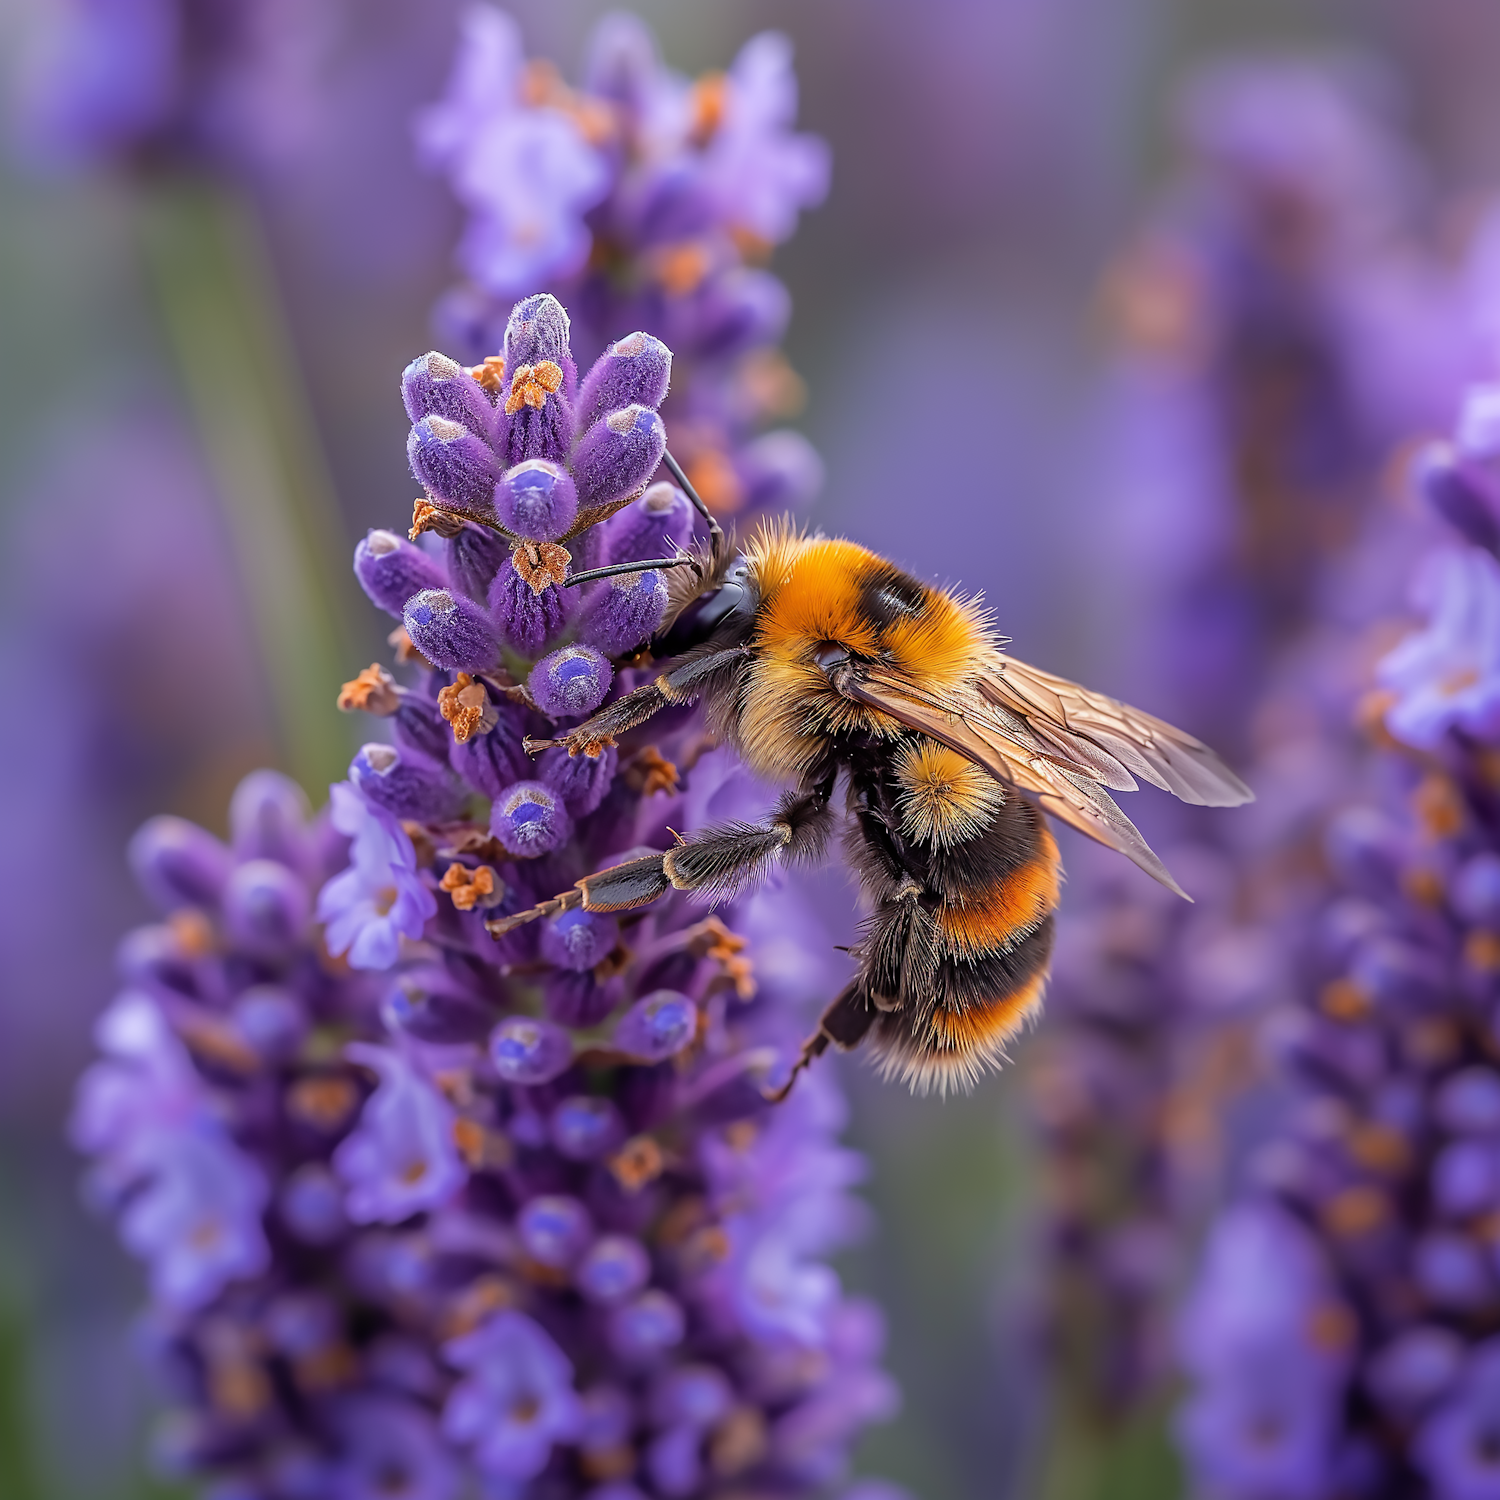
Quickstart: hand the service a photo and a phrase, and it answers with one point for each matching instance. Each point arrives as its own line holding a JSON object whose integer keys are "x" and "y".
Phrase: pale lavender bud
{"x": 537, "y": 499}
{"x": 271, "y": 1019}
{"x": 495, "y": 761}
{"x": 537, "y": 331}
{"x": 454, "y": 464}
{"x": 451, "y": 631}
{"x": 1468, "y": 1103}
{"x": 579, "y": 940}
{"x": 525, "y": 618}
{"x": 269, "y": 818}
{"x": 625, "y": 612}
{"x": 530, "y": 820}
{"x": 779, "y": 471}
{"x": 405, "y": 784}
{"x": 697, "y": 1396}
{"x": 266, "y": 907}
{"x": 176, "y": 863}
{"x": 582, "y": 781}
{"x": 571, "y": 682}
{"x": 618, "y": 454}
{"x": 390, "y": 570}
{"x": 657, "y": 1027}
{"x": 1476, "y": 890}
{"x": 643, "y": 1330}
{"x": 653, "y": 526}
{"x": 614, "y": 1268}
{"x": 311, "y": 1205}
{"x": 433, "y": 385}
{"x": 743, "y": 309}
{"x": 554, "y": 1229}
{"x": 525, "y": 1051}
{"x": 634, "y": 371}
{"x": 475, "y": 555}
{"x": 584, "y": 1126}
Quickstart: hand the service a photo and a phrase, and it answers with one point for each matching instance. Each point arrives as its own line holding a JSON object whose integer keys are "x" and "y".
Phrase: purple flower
{"x": 379, "y": 899}
{"x": 527, "y": 174}
{"x": 1268, "y": 1346}
{"x": 763, "y": 175}
{"x": 516, "y": 1399}
{"x": 1448, "y": 675}
{"x": 400, "y": 1160}
{"x": 1458, "y": 1448}
{"x": 391, "y": 1447}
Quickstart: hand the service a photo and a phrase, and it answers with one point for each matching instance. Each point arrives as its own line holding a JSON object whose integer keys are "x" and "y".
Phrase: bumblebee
{"x": 818, "y": 660}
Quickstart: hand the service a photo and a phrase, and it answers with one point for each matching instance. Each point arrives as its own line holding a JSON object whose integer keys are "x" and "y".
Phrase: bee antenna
{"x": 589, "y": 574}
{"x": 715, "y": 531}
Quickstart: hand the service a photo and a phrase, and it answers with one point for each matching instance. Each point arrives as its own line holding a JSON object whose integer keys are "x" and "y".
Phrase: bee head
{"x": 724, "y": 608}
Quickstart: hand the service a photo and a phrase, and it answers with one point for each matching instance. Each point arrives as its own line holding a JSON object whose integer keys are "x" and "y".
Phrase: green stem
{"x": 216, "y": 293}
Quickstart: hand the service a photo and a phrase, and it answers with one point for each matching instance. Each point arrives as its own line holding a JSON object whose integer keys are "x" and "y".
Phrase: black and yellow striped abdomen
{"x": 965, "y": 877}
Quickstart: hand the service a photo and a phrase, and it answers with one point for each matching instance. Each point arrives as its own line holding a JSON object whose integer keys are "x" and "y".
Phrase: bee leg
{"x": 843, "y": 1024}
{"x": 717, "y": 860}
{"x": 683, "y": 682}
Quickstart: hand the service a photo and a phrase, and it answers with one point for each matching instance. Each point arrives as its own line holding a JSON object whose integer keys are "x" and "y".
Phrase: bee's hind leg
{"x": 843, "y": 1024}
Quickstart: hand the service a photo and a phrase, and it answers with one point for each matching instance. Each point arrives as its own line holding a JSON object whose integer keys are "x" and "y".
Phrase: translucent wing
{"x": 1060, "y": 742}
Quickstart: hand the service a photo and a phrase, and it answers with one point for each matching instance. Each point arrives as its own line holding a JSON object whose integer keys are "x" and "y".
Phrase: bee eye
{"x": 830, "y": 655}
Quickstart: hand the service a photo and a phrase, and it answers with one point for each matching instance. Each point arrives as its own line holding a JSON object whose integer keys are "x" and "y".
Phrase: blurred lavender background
{"x": 993, "y": 164}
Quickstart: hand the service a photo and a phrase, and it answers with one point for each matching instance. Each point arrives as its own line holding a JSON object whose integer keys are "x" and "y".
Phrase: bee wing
{"x": 1096, "y": 733}
{"x": 1021, "y": 737}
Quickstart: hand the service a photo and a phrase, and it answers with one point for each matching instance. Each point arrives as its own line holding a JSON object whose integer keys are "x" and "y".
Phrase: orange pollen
{"x": 372, "y": 692}
{"x": 491, "y": 374}
{"x": 652, "y": 772}
{"x": 1482, "y": 951}
{"x": 681, "y": 268}
{"x": 531, "y": 385}
{"x": 405, "y": 651}
{"x": 192, "y": 932}
{"x": 425, "y": 516}
{"x": 1455, "y": 682}
{"x": 385, "y": 899}
{"x": 324, "y": 1102}
{"x": 541, "y": 564}
{"x": 710, "y": 96}
{"x": 1355, "y": 1212}
{"x": 471, "y": 888}
{"x": 1439, "y": 805}
{"x": 638, "y": 1162}
{"x": 466, "y": 706}
{"x": 717, "y": 484}
{"x": 1344, "y": 1000}
{"x": 413, "y": 1171}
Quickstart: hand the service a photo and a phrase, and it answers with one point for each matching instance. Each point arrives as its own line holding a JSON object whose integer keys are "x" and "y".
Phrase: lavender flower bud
{"x": 1468, "y": 1103}
{"x": 571, "y": 682}
{"x": 740, "y": 311}
{"x": 578, "y": 999}
{"x": 583, "y": 1127}
{"x": 271, "y": 1020}
{"x": 1450, "y": 1271}
{"x": 454, "y": 464}
{"x": 579, "y": 939}
{"x": 1397, "y": 974}
{"x": 311, "y": 1205}
{"x": 419, "y": 726}
{"x": 582, "y": 781}
{"x": 268, "y": 819}
{"x": 1462, "y": 498}
{"x": 493, "y": 761}
{"x": 451, "y": 631}
{"x": 1465, "y": 1179}
{"x": 625, "y": 612}
{"x": 530, "y": 1052}
{"x": 433, "y": 385}
{"x": 696, "y": 1396}
{"x": 537, "y": 332}
{"x": 653, "y": 526}
{"x": 634, "y": 371}
{"x": 657, "y": 1027}
{"x": 643, "y": 1330}
{"x": 179, "y": 864}
{"x": 390, "y": 570}
{"x": 475, "y": 555}
{"x": 530, "y": 820}
{"x": 1415, "y": 1369}
{"x": 526, "y": 618}
{"x": 537, "y": 500}
{"x": 1476, "y": 890}
{"x": 618, "y": 454}
{"x": 554, "y": 1230}
{"x": 614, "y": 1268}
{"x": 405, "y": 784}
{"x": 780, "y": 471}
{"x": 429, "y": 1004}
{"x": 266, "y": 907}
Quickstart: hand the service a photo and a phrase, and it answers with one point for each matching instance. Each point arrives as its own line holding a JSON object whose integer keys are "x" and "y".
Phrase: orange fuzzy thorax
{"x": 817, "y": 592}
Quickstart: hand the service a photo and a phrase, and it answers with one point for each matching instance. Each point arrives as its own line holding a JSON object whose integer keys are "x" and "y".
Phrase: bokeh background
{"x": 991, "y": 158}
